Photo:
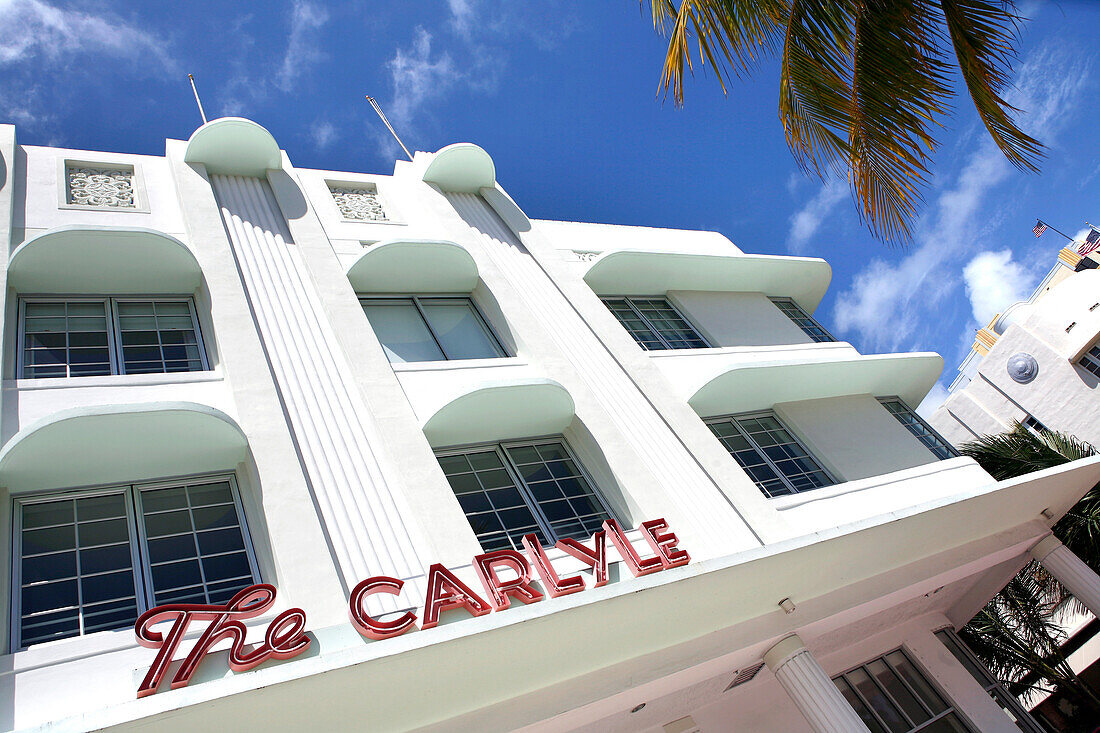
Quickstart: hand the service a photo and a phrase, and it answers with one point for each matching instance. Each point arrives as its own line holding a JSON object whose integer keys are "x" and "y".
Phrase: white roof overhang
{"x": 648, "y": 272}
{"x": 461, "y": 168}
{"x": 233, "y": 146}
{"x": 86, "y": 259}
{"x": 537, "y": 663}
{"x": 414, "y": 266}
{"x": 498, "y": 410}
{"x": 758, "y": 386}
{"x": 103, "y": 444}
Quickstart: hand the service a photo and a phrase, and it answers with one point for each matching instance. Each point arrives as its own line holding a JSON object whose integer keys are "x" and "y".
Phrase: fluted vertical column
{"x": 811, "y": 690}
{"x": 1070, "y": 570}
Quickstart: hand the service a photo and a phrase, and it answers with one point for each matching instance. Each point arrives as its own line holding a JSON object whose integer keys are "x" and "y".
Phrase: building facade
{"x": 1038, "y": 363}
{"x": 452, "y": 468}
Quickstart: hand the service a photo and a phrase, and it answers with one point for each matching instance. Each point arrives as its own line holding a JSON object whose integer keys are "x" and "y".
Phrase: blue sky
{"x": 564, "y": 97}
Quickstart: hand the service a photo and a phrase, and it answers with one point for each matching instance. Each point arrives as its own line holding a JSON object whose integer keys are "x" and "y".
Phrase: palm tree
{"x": 1016, "y": 635}
{"x": 863, "y": 83}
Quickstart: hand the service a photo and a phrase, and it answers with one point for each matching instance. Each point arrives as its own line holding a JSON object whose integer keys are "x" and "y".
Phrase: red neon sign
{"x": 285, "y": 636}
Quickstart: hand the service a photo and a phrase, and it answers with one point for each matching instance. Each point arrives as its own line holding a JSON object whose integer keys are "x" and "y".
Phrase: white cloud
{"x": 323, "y": 134}
{"x": 417, "y": 76}
{"x": 303, "y": 44}
{"x": 806, "y": 221}
{"x": 462, "y": 16}
{"x": 887, "y": 299}
{"x": 31, "y": 29}
{"x": 993, "y": 282}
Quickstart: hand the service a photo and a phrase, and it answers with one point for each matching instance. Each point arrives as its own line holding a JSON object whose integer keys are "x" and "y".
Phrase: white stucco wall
{"x": 737, "y": 319}
{"x": 1063, "y": 396}
{"x": 644, "y": 446}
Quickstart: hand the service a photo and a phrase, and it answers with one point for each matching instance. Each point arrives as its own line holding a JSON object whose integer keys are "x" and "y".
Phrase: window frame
{"x": 139, "y": 552}
{"x": 500, "y": 448}
{"x": 953, "y": 452}
{"x": 629, "y": 300}
{"x": 952, "y": 707}
{"x": 114, "y": 330}
{"x": 503, "y": 353}
{"x": 734, "y": 417}
{"x": 803, "y": 314}
{"x": 1090, "y": 362}
{"x": 952, "y": 642}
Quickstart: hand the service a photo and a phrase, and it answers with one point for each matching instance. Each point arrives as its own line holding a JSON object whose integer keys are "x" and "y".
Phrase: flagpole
{"x": 1059, "y": 232}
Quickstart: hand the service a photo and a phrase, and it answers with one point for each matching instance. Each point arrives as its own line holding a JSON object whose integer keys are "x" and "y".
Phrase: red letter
{"x": 284, "y": 637}
{"x": 595, "y": 558}
{"x": 637, "y": 565}
{"x": 554, "y": 585}
{"x": 369, "y": 626}
{"x": 446, "y": 591}
{"x": 664, "y": 543}
{"x": 498, "y": 589}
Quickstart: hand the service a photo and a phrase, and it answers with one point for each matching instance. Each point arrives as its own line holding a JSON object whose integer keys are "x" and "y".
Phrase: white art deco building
{"x": 221, "y": 370}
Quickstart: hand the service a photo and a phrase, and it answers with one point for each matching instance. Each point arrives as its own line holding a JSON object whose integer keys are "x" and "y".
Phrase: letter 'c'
{"x": 366, "y": 624}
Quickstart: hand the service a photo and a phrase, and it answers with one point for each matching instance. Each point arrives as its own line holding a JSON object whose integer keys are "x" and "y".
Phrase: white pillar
{"x": 811, "y": 690}
{"x": 1070, "y": 570}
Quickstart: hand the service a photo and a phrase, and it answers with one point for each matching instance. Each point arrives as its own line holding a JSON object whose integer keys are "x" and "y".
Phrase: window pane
{"x": 803, "y": 320}
{"x": 65, "y": 339}
{"x": 920, "y": 429}
{"x": 402, "y": 331}
{"x": 887, "y": 712}
{"x": 917, "y": 682}
{"x": 459, "y": 328}
{"x": 670, "y": 326}
{"x": 561, "y": 492}
{"x": 157, "y": 337}
{"x": 196, "y": 552}
{"x": 862, "y": 710}
{"x": 1091, "y": 360}
{"x": 894, "y": 687}
{"x": 492, "y": 502}
{"x": 771, "y": 456}
{"x": 76, "y": 572}
{"x": 634, "y": 324}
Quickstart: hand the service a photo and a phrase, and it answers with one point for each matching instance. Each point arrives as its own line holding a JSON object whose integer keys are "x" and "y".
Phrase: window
{"x": 430, "y": 328}
{"x": 83, "y": 337}
{"x": 1091, "y": 360}
{"x": 769, "y": 453}
{"x": 803, "y": 320}
{"x": 919, "y": 428}
{"x": 512, "y": 489}
{"x": 1034, "y": 425}
{"x": 891, "y": 695}
{"x": 655, "y": 324}
{"x": 93, "y": 560}
{"x": 996, "y": 690}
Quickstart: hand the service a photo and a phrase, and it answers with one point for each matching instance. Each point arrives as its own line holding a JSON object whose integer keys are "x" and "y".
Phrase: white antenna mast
{"x": 197, "y": 100}
{"x": 381, "y": 114}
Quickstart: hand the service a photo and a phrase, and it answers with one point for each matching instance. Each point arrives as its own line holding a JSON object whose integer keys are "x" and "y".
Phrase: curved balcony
{"x": 485, "y": 410}
{"x": 120, "y": 260}
{"x": 727, "y": 382}
{"x": 461, "y": 168}
{"x": 234, "y": 146}
{"x": 414, "y": 266}
{"x": 647, "y": 272}
{"x": 91, "y": 445}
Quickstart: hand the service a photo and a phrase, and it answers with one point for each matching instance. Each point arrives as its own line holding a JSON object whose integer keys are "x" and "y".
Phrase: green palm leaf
{"x": 863, "y": 83}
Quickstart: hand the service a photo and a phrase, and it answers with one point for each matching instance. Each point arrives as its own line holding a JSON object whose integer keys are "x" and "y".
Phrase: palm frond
{"x": 1020, "y": 451}
{"x": 731, "y": 36}
{"x": 815, "y": 86}
{"x": 899, "y": 87}
{"x": 983, "y": 33}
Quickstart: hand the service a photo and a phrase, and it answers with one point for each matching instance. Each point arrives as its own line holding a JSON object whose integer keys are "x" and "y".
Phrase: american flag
{"x": 1091, "y": 243}
{"x": 1040, "y": 227}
